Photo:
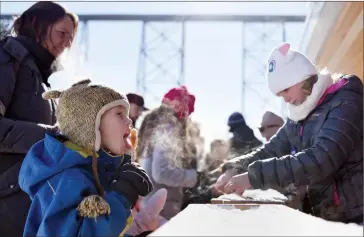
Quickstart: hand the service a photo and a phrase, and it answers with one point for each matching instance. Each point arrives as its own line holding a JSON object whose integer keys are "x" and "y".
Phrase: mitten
{"x": 132, "y": 181}
{"x": 148, "y": 218}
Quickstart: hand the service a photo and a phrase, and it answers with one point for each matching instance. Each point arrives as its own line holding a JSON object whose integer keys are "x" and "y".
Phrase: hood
{"x": 347, "y": 84}
{"x": 270, "y": 118}
{"x": 45, "y": 159}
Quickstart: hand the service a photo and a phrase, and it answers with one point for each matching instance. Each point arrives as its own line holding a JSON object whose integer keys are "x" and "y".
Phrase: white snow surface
{"x": 266, "y": 220}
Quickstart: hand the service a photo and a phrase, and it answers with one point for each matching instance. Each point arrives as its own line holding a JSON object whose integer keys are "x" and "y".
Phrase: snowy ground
{"x": 266, "y": 220}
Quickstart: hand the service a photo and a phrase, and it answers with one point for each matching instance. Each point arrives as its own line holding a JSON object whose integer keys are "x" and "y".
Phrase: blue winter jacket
{"x": 57, "y": 176}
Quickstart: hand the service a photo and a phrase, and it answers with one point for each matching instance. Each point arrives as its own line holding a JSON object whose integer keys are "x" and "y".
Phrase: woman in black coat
{"x": 27, "y": 60}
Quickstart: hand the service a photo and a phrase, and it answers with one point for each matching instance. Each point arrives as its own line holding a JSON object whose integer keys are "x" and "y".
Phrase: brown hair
{"x": 37, "y": 19}
{"x": 162, "y": 129}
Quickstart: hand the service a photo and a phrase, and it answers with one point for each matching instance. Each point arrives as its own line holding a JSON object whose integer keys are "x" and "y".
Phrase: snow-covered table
{"x": 265, "y": 220}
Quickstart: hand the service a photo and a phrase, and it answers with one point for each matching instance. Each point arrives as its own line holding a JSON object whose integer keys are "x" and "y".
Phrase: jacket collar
{"x": 45, "y": 61}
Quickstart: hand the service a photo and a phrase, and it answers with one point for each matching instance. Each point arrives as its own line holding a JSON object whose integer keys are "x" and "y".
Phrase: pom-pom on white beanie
{"x": 287, "y": 68}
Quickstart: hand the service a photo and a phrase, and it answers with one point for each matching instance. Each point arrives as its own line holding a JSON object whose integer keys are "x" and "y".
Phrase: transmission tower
{"x": 161, "y": 59}
{"x": 162, "y": 50}
{"x": 258, "y": 40}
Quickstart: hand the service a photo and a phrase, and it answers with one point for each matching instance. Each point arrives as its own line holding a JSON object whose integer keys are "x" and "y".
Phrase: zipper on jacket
{"x": 301, "y": 131}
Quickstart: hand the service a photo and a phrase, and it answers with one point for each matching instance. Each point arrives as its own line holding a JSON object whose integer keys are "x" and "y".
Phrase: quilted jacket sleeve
{"x": 278, "y": 146}
{"x": 333, "y": 145}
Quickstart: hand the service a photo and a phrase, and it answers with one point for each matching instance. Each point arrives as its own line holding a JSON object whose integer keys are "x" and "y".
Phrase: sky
{"x": 214, "y": 63}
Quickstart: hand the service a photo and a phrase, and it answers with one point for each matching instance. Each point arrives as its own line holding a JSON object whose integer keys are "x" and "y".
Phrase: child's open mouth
{"x": 127, "y": 140}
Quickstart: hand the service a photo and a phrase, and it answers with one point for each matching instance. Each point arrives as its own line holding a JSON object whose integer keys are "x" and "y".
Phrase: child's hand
{"x": 132, "y": 181}
{"x": 224, "y": 179}
{"x": 238, "y": 184}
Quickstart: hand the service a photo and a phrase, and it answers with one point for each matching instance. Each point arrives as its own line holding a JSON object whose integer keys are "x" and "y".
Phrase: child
{"x": 81, "y": 181}
{"x": 319, "y": 148}
{"x": 167, "y": 148}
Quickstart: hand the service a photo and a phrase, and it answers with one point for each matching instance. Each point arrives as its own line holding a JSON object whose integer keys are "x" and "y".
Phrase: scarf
{"x": 300, "y": 112}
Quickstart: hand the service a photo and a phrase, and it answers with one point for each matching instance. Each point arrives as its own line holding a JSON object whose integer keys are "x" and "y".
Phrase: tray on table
{"x": 251, "y": 199}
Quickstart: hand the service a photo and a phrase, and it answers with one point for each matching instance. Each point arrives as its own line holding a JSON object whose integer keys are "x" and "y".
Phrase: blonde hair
{"x": 308, "y": 84}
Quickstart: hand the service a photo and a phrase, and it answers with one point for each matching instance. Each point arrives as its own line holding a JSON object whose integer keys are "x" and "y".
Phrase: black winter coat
{"x": 323, "y": 152}
{"x": 24, "y": 117}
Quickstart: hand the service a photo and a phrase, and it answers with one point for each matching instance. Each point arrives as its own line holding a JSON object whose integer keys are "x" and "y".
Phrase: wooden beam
{"x": 340, "y": 30}
{"x": 345, "y": 44}
{"x": 318, "y": 28}
{"x": 183, "y": 17}
{"x": 352, "y": 61}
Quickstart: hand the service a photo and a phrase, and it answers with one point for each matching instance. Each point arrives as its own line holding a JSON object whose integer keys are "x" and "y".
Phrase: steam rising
{"x": 75, "y": 66}
{"x": 162, "y": 130}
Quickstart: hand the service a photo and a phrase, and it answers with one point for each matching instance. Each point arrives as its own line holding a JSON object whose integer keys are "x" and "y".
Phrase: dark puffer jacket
{"x": 243, "y": 140}
{"x": 324, "y": 152}
{"x": 24, "y": 117}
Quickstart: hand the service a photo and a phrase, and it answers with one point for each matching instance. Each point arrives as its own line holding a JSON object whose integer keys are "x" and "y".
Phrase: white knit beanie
{"x": 287, "y": 68}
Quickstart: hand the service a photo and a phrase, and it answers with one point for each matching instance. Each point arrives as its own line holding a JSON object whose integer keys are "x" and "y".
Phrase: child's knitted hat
{"x": 80, "y": 109}
{"x": 79, "y": 114}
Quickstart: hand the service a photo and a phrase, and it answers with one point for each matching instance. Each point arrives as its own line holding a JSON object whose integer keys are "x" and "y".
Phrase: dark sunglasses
{"x": 262, "y": 129}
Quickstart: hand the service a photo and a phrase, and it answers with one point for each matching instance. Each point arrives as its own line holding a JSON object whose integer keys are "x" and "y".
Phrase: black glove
{"x": 201, "y": 179}
{"x": 131, "y": 181}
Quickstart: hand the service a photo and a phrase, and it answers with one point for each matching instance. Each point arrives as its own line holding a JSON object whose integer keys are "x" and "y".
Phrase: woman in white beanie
{"x": 320, "y": 146}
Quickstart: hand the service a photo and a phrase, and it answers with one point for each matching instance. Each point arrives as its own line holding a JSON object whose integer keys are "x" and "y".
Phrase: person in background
{"x": 27, "y": 59}
{"x": 243, "y": 140}
{"x": 166, "y": 148}
{"x": 136, "y": 106}
{"x": 219, "y": 150}
{"x": 320, "y": 147}
{"x": 271, "y": 123}
{"x": 197, "y": 141}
